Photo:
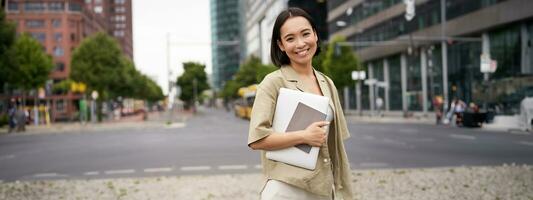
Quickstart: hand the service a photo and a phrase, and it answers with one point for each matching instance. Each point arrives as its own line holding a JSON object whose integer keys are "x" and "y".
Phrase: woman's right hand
{"x": 315, "y": 134}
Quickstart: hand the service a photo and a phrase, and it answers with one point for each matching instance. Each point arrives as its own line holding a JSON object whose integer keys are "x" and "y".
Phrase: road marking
{"x": 176, "y": 125}
{"x": 6, "y": 157}
{"x": 46, "y": 175}
{"x": 459, "y": 136}
{"x": 232, "y": 167}
{"x": 526, "y": 143}
{"x": 122, "y": 171}
{"x": 155, "y": 170}
{"x": 258, "y": 166}
{"x": 195, "y": 168}
{"x": 91, "y": 173}
{"x": 373, "y": 164}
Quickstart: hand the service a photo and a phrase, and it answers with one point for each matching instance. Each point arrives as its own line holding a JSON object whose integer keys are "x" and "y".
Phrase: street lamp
{"x": 358, "y": 76}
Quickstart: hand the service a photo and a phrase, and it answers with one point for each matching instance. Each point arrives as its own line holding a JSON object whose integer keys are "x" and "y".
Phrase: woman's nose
{"x": 300, "y": 42}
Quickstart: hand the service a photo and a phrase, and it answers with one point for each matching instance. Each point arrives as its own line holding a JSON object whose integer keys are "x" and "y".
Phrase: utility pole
{"x": 444, "y": 50}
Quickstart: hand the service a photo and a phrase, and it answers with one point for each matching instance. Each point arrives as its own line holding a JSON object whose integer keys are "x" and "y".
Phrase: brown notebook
{"x": 303, "y": 117}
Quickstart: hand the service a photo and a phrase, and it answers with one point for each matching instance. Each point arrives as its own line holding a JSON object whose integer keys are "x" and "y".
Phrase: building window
{"x": 56, "y": 23}
{"x": 34, "y": 7}
{"x": 72, "y": 37}
{"x": 58, "y": 51}
{"x": 41, "y": 37}
{"x": 56, "y": 6}
{"x": 60, "y": 67}
{"x": 120, "y": 1}
{"x": 118, "y": 33}
{"x": 58, "y": 37}
{"x": 13, "y": 6}
{"x": 98, "y": 9}
{"x": 75, "y": 7}
{"x": 35, "y": 23}
{"x": 61, "y": 105}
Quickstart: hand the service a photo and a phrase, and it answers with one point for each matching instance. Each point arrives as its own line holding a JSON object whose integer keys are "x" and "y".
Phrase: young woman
{"x": 294, "y": 44}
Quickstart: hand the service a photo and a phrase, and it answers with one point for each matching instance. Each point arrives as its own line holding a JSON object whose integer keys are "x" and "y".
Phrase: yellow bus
{"x": 243, "y": 106}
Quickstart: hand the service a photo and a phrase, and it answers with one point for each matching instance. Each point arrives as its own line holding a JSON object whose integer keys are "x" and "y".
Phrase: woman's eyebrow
{"x": 285, "y": 37}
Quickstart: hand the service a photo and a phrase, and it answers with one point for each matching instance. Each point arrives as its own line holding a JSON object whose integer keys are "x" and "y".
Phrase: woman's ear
{"x": 280, "y": 45}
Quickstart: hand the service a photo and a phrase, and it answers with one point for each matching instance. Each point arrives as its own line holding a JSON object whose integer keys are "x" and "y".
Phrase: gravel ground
{"x": 501, "y": 182}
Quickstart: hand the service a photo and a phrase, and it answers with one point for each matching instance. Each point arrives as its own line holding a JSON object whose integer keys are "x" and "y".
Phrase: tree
{"x": 192, "y": 82}
{"x": 7, "y": 38}
{"x": 30, "y": 65}
{"x": 339, "y": 62}
{"x": 252, "y": 71}
{"x": 98, "y": 62}
{"x": 318, "y": 61}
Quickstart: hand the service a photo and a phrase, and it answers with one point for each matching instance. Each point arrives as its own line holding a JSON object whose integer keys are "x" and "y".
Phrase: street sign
{"x": 371, "y": 81}
{"x": 382, "y": 84}
{"x": 488, "y": 65}
{"x": 94, "y": 94}
{"x": 358, "y": 75}
{"x": 409, "y": 9}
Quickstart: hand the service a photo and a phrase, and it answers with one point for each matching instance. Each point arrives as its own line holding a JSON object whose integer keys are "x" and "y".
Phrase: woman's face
{"x": 298, "y": 40}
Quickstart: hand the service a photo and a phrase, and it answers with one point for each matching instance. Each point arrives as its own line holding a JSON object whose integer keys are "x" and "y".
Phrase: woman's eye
{"x": 289, "y": 39}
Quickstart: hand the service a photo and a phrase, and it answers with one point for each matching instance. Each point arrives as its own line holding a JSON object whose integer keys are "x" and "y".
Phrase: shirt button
{"x": 325, "y": 160}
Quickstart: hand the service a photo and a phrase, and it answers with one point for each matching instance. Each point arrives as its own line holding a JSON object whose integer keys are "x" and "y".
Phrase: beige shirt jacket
{"x": 332, "y": 166}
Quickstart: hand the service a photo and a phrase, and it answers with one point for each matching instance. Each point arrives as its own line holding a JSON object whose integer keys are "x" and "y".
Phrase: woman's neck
{"x": 303, "y": 70}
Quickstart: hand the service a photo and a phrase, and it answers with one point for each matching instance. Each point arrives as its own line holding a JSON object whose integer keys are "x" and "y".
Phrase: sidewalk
{"x": 155, "y": 119}
{"x": 389, "y": 117}
{"x": 500, "y": 124}
{"x": 461, "y": 183}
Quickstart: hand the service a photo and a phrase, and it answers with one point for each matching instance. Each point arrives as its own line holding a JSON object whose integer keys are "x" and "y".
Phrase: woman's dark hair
{"x": 280, "y": 58}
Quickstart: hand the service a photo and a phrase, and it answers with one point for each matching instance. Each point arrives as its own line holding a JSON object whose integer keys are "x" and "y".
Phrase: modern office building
{"x": 60, "y": 26}
{"x": 225, "y": 29}
{"x": 408, "y": 55}
{"x": 259, "y": 18}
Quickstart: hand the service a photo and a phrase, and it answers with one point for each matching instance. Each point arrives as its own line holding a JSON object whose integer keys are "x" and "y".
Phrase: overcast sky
{"x": 186, "y": 21}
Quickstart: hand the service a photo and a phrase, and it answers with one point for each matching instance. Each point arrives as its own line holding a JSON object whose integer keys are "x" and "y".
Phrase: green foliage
{"x": 62, "y": 87}
{"x": 7, "y": 37}
{"x": 319, "y": 60}
{"x": 100, "y": 63}
{"x": 250, "y": 72}
{"x": 339, "y": 65}
{"x": 193, "y": 71}
{"x": 30, "y": 65}
{"x": 263, "y": 71}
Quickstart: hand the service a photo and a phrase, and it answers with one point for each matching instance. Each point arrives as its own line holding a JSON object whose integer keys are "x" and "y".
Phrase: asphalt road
{"x": 215, "y": 143}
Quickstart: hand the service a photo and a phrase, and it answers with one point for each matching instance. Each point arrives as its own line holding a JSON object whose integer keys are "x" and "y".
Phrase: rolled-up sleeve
{"x": 262, "y": 111}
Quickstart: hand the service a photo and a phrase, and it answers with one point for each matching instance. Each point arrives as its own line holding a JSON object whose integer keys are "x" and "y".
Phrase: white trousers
{"x": 275, "y": 190}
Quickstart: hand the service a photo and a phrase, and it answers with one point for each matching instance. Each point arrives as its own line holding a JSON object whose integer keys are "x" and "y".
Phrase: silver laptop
{"x": 295, "y": 111}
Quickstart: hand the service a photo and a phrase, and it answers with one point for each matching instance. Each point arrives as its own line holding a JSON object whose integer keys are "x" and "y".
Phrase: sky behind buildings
{"x": 188, "y": 23}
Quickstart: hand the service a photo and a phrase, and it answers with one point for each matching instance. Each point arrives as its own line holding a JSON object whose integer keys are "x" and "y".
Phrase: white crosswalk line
{"x": 195, "y": 168}
{"x": 46, "y": 175}
{"x": 155, "y": 170}
{"x": 377, "y": 164}
{"x": 122, "y": 171}
{"x": 258, "y": 166}
{"x": 460, "y": 136}
{"x": 91, "y": 173}
{"x": 7, "y": 157}
{"x": 232, "y": 167}
{"x": 526, "y": 143}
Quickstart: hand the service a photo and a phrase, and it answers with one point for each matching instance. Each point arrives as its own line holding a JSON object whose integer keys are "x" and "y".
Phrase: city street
{"x": 214, "y": 142}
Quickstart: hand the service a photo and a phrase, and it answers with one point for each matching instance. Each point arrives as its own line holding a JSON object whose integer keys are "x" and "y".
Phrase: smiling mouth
{"x": 303, "y": 52}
